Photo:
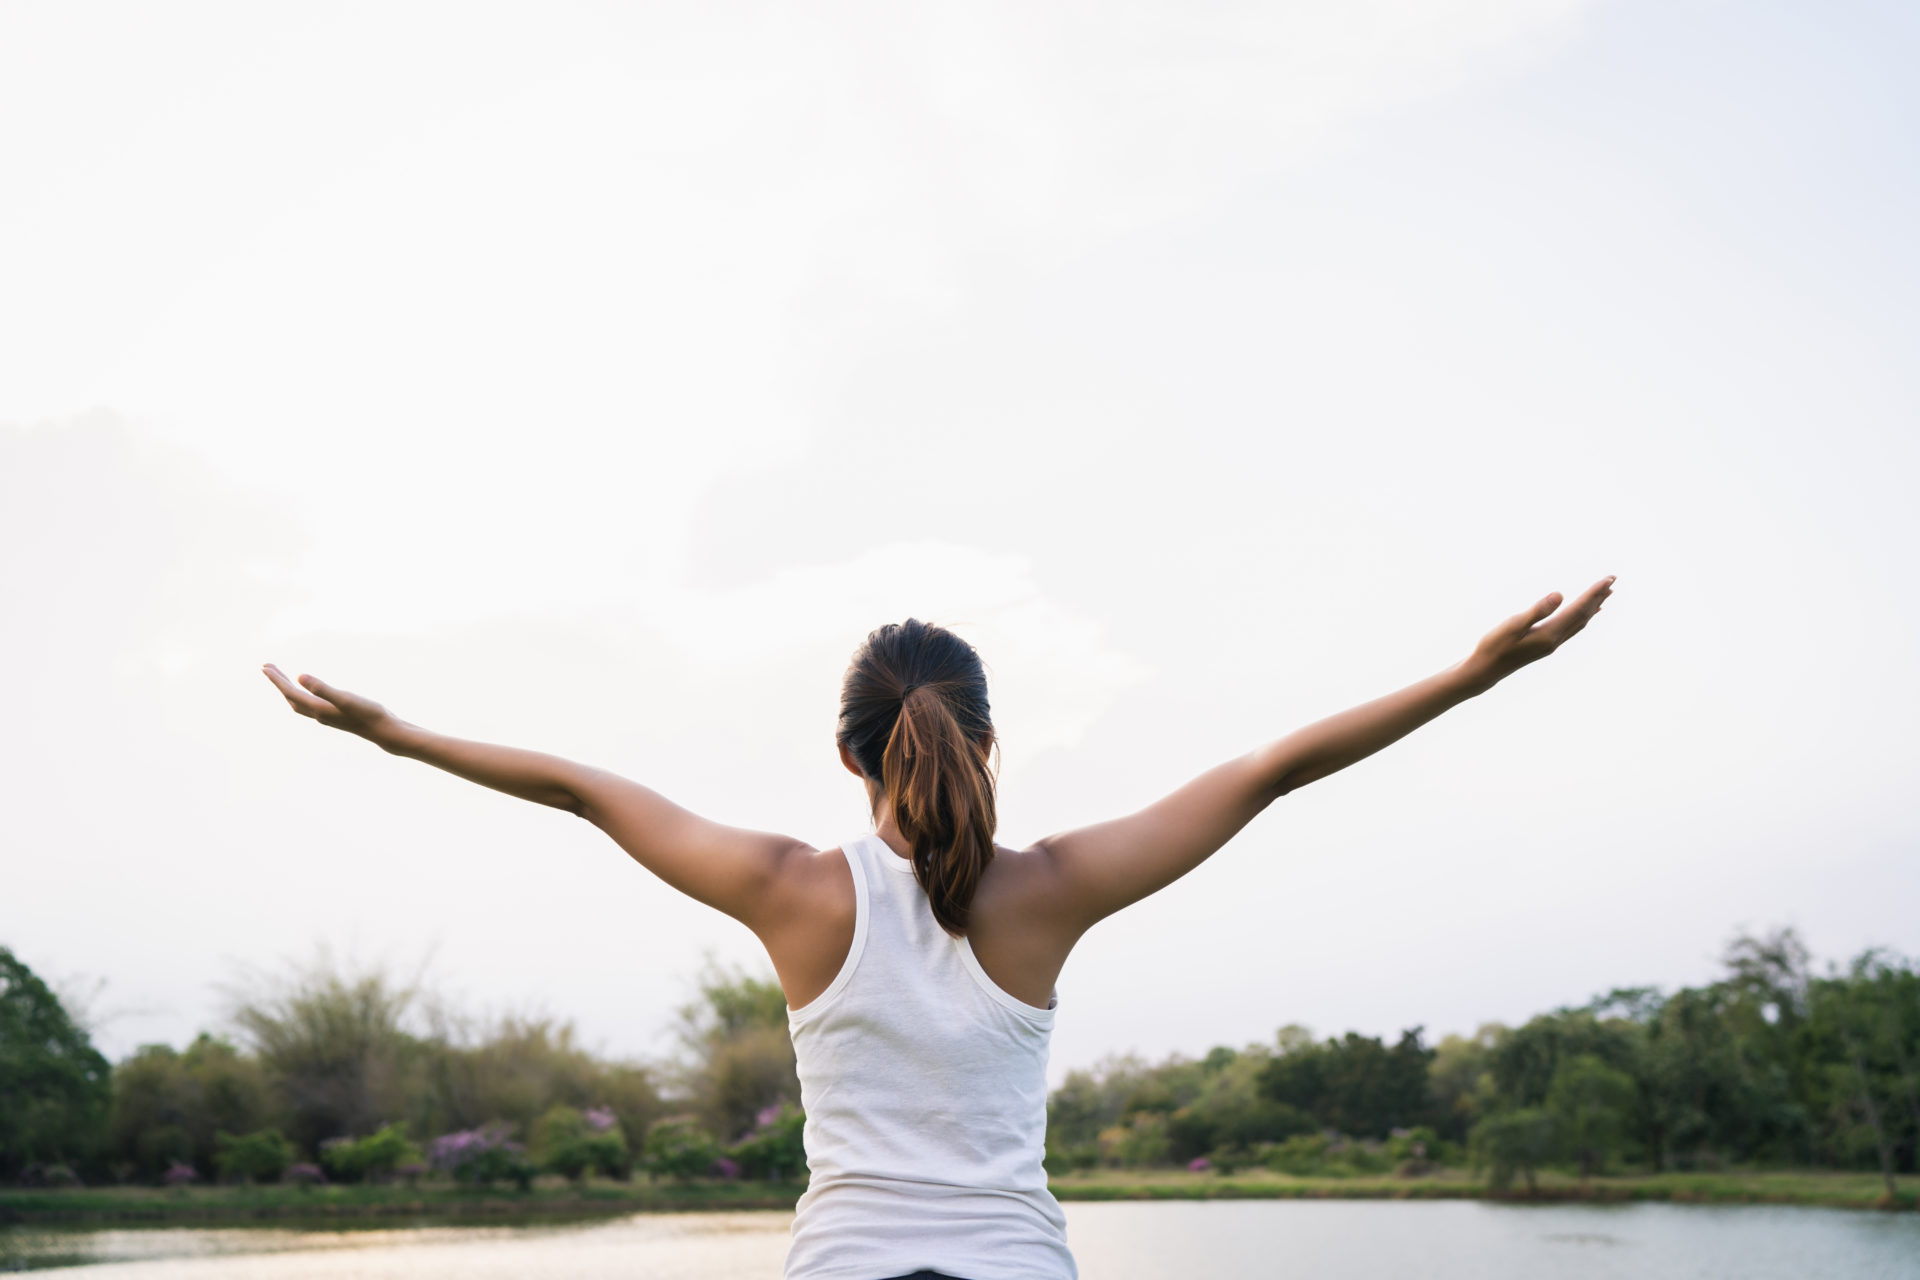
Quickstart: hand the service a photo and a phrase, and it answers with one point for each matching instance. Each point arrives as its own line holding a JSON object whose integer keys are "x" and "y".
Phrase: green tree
{"x": 737, "y": 1057}
{"x": 374, "y": 1158}
{"x": 255, "y": 1157}
{"x": 1228, "y": 1115}
{"x": 1460, "y": 1080}
{"x": 1507, "y": 1143}
{"x": 1590, "y": 1103}
{"x": 55, "y": 1087}
{"x": 514, "y": 1069}
{"x": 574, "y": 1143}
{"x": 1355, "y": 1084}
{"x": 335, "y": 1045}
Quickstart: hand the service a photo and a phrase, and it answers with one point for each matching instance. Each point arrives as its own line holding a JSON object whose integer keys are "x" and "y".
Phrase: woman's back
{"x": 923, "y": 1079}
{"x": 924, "y": 1085}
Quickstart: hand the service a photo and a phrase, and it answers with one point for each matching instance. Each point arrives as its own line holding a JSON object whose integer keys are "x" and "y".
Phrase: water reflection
{"x": 1233, "y": 1240}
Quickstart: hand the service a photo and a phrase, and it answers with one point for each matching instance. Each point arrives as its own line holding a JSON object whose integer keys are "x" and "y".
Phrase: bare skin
{"x": 1032, "y": 904}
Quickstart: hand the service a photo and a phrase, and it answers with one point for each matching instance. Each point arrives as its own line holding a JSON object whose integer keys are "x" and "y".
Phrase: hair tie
{"x": 908, "y": 692}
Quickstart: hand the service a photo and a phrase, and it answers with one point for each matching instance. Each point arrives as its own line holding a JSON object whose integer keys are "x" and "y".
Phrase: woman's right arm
{"x": 734, "y": 870}
{"x": 1094, "y": 871}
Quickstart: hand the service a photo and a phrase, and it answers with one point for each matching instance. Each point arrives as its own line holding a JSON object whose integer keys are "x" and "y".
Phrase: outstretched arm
{"x": 1097, "y": 870}
{"x": 729, "y": 868}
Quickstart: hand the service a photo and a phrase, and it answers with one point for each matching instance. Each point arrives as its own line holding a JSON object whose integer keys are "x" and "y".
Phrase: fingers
{"x": 322, "y": 689}
{"x": 307, "y": 704}
{"x": 1521, "y": 623}
{"x": 1581, "y": 613}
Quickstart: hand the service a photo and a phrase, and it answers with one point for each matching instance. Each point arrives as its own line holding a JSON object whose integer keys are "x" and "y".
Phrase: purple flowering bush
{"x": 304, "y": 1175}
{"x": 773, "y": 1149}
{"x": 575, "y": 1143}
{"x": 482, "y": 1156}
{"x": 1199, "y": 1164}
{"x": 180, "y": 1175}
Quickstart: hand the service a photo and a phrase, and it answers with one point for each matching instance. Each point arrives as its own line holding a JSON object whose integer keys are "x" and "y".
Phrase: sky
{"x": 593, "y": 378}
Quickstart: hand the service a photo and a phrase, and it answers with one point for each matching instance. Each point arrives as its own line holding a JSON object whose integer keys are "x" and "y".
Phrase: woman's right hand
{"x": 335, "y": 708}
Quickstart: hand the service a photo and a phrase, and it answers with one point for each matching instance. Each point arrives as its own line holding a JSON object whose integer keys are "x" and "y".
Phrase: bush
{"x": 775, "y": 1149}
{"x": 1301, "y": 1155}
{"x": 180, "y": 1175}
{"x": 482, "y": 1156}
{"x": 260, "y": 1156}
{"x": 680, "y": 1148}
{"x": 574, "y": 1143}
{"x": 375, "y": 1157}
{"x": 55, "y": 1176}
{"x": 304, "y": 1175}
{"x": 1071, "y": 1157}
{"x": 1328, "y": 1155}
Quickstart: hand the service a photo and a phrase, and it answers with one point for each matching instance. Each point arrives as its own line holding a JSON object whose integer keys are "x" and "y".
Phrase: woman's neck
{"x": 889, "y": 833}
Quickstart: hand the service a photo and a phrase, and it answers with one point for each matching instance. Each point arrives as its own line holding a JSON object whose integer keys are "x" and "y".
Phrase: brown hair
{"x": 914, "y": 717}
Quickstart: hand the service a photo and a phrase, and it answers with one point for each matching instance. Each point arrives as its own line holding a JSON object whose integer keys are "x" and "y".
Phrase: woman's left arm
{"x": 1097, "y": 870}
{"x": 729, "y": 868}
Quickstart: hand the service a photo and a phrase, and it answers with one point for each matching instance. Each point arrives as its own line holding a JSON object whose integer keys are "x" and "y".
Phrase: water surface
{"x": 1216, "y": 1240}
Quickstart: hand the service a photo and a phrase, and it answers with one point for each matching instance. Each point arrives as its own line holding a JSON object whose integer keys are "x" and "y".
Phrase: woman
{"x": 919, "y": 961}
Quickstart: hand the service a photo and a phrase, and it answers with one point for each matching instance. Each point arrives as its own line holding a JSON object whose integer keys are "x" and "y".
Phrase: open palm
{"x": 336, "y": 708}
{"x": 1534, "y": 633}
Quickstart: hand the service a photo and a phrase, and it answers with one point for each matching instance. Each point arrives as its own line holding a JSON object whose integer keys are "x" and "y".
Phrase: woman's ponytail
{"x": 936, "y": 779}
{"x": 914, "y": 717}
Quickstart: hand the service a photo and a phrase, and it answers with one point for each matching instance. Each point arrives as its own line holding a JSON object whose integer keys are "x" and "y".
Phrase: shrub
{"x": 375, "y": 1157}
{"x": 680, "y": 1148}
{"x": 304, "y": 1175}
{"x": 775, "y": 1148}
{"x": 482, "y": 1156}
{"x": 260, "y": 1156}
{"x": 1071, "y": 1157}
{"x": 574, "y": 1143}
{"x": 180, "y": 1175}
{"x": 1301, "y": 1155}
{"x": 57, "y": 1176}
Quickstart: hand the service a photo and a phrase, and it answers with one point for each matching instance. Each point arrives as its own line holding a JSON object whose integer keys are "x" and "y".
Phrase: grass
{"x": 551, "y": 1199}
{"x": 1810, "y": 1187}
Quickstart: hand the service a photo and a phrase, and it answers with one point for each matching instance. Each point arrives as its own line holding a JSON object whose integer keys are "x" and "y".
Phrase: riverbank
{"x": 553, "y": 1200}
{"x": 1808, "y": 1187}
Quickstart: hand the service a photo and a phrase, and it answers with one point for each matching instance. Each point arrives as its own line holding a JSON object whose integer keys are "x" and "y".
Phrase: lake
{"x": 1218, "y": 1240}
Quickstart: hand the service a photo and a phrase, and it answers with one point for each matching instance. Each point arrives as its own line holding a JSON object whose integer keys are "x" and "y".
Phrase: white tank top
{"x": 925, "y": 1087}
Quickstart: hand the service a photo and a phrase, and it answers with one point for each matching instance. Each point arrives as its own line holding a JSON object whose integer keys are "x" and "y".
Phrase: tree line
{"x": 1771, "y": 1065}
{"x": 329, "y": 1075}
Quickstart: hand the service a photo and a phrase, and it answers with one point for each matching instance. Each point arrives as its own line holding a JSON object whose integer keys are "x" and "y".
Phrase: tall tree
{"x": 54, "y": 1085}
{"x": 335, "y": 1045}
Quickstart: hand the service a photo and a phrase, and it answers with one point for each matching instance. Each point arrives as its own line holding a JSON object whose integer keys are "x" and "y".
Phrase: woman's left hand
{"x": 1533, "y": 634}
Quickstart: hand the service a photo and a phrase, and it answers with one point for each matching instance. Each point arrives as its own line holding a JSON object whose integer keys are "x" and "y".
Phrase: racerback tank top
{"x": 925, "y": 1088}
